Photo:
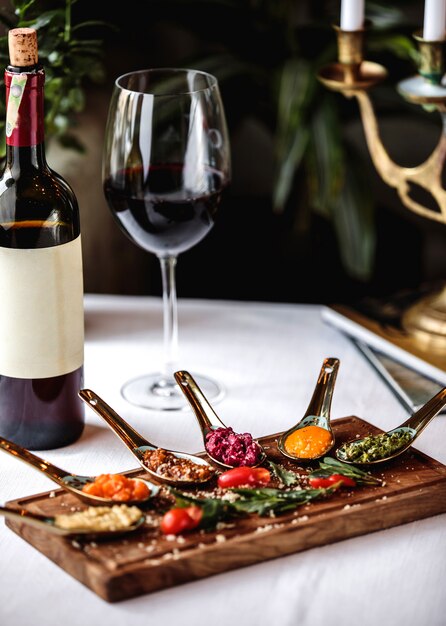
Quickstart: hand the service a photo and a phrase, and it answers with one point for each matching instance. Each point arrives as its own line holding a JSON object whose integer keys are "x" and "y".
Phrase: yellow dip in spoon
{"x": 308, "y": 442}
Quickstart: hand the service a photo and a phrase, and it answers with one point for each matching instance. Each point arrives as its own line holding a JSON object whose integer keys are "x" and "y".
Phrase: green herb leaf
{"x": 269, "y": 501}
{"x": 333, "y": 466}
{"x": 214, "y": 509}
{"x": 376, "y": 446}
{"x": 286, "y": 477}
{"x": 262, "y": 501}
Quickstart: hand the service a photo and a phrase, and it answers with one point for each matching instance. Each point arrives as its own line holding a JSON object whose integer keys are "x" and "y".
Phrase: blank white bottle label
{"x": 41, "y": 311}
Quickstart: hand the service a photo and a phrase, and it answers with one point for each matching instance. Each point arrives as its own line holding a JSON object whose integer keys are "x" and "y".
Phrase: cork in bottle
{"x": 23, "y": 50}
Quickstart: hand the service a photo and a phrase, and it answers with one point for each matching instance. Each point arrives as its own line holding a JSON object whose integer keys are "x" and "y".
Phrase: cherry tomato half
{"x": 322, "y": 482}
{"x": 244, "y": 475}
{"x": 179, "y": 520}
{"x": 345, "y": 480}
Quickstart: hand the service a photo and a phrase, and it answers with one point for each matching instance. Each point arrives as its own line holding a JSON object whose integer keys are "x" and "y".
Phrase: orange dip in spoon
{"x": 117, "y": 487}
{"x": 308, "y": 442}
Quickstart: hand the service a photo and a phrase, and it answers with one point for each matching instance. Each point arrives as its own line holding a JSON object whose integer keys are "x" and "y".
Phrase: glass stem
{"x": 170, "y": 317}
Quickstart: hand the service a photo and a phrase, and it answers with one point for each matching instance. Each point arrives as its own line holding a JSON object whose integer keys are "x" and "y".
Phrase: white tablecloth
{"x": 268, "y": 357}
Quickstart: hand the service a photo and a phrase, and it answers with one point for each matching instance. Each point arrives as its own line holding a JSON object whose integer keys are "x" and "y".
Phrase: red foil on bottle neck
{"x": 29, "y": 129}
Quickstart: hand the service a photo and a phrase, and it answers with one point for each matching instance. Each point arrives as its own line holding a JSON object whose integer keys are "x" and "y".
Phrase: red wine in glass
{"x": 157, "y": 213}
{"x": 166, "y": 164}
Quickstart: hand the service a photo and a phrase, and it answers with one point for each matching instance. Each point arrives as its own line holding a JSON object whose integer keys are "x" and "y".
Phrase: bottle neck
{"x": 25, "y": 116}
{"x": 26, "y": 156}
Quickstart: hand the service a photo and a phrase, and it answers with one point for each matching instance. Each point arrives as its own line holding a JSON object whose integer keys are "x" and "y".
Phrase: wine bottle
{"x": 41, "y": 280}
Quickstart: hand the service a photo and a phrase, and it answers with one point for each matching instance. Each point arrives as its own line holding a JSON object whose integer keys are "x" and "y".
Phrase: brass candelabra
{"x": 354, "y": 77}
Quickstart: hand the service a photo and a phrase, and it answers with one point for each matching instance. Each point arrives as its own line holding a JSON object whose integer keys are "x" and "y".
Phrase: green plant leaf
{"x": 286, "y": 477}
{"x": 401, "y": 46}
{"x": 325, "y": 161}
{"x": 296, "y": 87}
{"x": 224, "y": 66}
{"x": 385, "y": 17}
{"x": 45, "y": 19}
{"x": 353, "y": 218}
{"x": 67, "y": 140}
{"x": 69, "y": 62}
{"x": 330, "y": 465}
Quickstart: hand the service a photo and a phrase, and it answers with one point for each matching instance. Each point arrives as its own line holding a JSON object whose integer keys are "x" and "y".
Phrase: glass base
{"x": 155, "y": 391}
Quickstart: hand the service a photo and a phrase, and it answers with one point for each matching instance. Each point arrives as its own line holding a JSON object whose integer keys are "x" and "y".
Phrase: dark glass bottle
{"x": 41, "y": 285}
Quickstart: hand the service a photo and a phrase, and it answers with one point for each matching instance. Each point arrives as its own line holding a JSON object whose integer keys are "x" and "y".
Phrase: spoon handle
{"x": 120, "y": 427}
{"x": 55, "y": 473}
{"x": 33, "y": 519}
{"x": 205, "y": 414}
{"x": 320, "y": 403}
{"x": 421, "y": 418}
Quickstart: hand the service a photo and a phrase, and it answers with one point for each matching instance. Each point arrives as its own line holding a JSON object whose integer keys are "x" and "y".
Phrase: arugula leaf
{"x": 329, "y": 465}
{"x": 266, "y": 501}
{"x": 214, "y": 509}
{"x": 286, "y": 477}
{"x": 263, "y": 501}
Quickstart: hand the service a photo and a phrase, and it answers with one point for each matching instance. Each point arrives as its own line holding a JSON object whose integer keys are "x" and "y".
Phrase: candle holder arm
{"x": 427, "y": 175}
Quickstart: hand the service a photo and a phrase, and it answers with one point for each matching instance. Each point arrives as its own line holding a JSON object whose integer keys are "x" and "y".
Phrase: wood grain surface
{"x": 147, "y": 561}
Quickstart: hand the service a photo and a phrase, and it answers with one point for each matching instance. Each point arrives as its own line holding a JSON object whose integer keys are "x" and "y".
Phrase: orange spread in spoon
{"x": 117, "y": 487}
{"x": 308, "y": 442}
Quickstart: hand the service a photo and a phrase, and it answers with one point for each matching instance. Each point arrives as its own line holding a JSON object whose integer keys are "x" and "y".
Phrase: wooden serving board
{"x": 415, "y": 488}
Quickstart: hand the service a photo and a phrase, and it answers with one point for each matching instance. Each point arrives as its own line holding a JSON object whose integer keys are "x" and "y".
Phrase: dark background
{"x": 253, "y": 253}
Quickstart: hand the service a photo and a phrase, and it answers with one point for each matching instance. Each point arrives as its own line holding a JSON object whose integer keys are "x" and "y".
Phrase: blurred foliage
{"x": 266, "y": 55}
{"x": 69, "y": 56}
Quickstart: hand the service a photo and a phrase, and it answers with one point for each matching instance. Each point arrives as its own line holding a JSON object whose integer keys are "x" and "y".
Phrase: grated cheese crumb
{"x": 222, "y": 525}
{"x": 229, "y": 496}
{"x": 262, "y": 529}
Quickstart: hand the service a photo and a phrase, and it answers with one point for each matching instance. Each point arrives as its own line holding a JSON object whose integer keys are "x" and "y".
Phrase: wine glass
{"x": 166, "y": 163}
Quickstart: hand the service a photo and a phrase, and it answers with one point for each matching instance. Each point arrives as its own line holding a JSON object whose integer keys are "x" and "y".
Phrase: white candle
{"x": 434, "y": 20}
{"x": 352, "y": 14}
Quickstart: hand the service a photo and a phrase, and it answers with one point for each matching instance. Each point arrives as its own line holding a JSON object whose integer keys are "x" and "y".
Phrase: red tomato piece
{"x": 244, "y": 475}
{"x": 345, "y": 480}
{"x": 320, "y": 482}
{"x": 195, "y": 513}
{"x": 178, "y": 520}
